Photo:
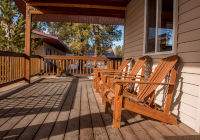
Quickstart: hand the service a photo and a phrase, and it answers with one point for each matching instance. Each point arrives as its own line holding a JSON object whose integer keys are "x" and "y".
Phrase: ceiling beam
{"x": 39, "y": 4}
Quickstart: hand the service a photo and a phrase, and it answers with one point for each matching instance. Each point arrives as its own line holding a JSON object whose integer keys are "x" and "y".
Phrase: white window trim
{"x": 174, "y": 31}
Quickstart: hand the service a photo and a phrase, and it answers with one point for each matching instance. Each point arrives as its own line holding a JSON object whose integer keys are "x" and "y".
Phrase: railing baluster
{"x": 67, "y": 65}
{"x": 87, "y": 67}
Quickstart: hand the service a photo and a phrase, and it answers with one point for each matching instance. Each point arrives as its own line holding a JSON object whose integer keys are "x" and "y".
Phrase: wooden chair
{"x": 98, "y": 72}
{"x": 108, "y": 79}
{"x": 142, "y": 102}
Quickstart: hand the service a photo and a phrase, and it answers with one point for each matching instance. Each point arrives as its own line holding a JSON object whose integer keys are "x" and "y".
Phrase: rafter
{"x": 36, "y": 4}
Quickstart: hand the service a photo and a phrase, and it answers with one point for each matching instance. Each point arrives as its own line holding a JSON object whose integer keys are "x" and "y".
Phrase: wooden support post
{"x": 27, "y": 45}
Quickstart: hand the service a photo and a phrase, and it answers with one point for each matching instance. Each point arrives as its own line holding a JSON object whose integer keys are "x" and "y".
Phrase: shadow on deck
{"x": 68, "y": 108}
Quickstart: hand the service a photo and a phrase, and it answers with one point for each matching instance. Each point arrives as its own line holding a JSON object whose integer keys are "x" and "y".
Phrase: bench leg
{"x": 107, "y": 108}
{"x": 117, "y": 112}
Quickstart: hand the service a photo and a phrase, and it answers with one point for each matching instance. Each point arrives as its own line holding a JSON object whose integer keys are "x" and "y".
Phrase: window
{"x": 159, "y": 35}
{"x": 47, "y": 51}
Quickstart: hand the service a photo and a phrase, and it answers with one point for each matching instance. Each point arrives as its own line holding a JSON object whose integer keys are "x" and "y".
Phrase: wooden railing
{"x": 77, "y": 65}
{"x": 35, "y": 64}
{"x": 12, "y": 67}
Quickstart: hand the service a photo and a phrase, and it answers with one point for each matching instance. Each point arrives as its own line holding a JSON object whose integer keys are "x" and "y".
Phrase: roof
{"x": 78, "y": 11}
{"x": 52, "y": 40}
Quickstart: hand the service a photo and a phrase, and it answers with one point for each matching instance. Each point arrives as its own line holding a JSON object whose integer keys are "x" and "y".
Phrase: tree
{"x": 118, "y": 51}
{"x": 81, "y": 37}
{"x": 11, "y": 24}
{"x": 12, "y": 28}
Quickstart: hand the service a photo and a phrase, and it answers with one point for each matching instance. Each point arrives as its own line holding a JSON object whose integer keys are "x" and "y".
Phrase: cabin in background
{"x": 51, "y": 45}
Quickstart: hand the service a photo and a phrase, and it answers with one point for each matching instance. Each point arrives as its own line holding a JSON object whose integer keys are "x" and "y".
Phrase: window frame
{"x": 173, "y": 51}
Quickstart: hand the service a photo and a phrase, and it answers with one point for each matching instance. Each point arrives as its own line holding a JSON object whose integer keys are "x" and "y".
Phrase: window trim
{"x": 173, "y": 51}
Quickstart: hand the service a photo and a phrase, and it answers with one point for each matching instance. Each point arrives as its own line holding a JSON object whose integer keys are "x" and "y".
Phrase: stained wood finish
{"x": 66, "y": 108}
{"x": 108, "y": 79}
{"x": 76, "y": 65}
{"x": 142, "y": 102}
{"x": 12, "y": 67}
{"x": 27, "y": 48}
{"x": 110, "y": 70}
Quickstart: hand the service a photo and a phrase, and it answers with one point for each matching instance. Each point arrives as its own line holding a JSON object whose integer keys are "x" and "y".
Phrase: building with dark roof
{"x": 51, "y": 45}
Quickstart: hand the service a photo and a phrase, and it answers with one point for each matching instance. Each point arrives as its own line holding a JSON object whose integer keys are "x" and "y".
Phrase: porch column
{"x": 27, "y": 45}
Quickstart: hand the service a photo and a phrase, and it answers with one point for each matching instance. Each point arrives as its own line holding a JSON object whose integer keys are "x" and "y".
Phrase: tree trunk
{"x": 95, "y": 52}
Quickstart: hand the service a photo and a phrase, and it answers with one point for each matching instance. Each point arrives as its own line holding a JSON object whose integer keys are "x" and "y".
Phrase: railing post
{"x": 27, "y": 45}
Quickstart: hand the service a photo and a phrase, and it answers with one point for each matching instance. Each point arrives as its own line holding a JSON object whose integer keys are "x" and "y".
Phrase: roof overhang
{"x": 52, "y": 40}
{"x": 77, "y": 11}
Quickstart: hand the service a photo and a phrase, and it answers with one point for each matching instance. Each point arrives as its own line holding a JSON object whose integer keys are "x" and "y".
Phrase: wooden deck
{"x": 68, "y": 108}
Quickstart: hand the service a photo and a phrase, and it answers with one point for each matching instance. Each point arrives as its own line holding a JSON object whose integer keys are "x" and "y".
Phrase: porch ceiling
{"x": 85, "y": 11}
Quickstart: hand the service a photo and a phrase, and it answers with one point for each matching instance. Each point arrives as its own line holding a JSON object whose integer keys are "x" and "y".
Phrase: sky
{"x": 121, "y": 41}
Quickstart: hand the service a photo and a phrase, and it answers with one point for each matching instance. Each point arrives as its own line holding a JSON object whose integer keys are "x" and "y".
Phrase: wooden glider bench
{"x": 142, "y": 102}
{"x": 108, "y": 79}
{"x": 97, "y": 77}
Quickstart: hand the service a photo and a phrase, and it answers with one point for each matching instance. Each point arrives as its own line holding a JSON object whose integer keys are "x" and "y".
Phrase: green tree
{"x": 81, "y": 37}
{"x": 118, "y": 50}
{"x": 8, "y": 29}
{"x": 12, "y": 28}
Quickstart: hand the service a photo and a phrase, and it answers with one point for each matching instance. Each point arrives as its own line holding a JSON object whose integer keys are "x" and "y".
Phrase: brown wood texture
{"x": 68, "y": 108}
{"x": 110, "y": 69}
{"x": 28, "y": 45}
{"x": 142, "y": 102}
{"x": 12, "y": 67}
{"x": 74, "y": 65}
{"x": 108, "y": 79}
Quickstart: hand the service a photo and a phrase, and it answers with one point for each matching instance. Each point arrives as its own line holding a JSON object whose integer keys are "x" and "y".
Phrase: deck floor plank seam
{"x": 69, "y": 108}
{"x": 45, "y": 129}
{"x": 14, "y": 120}
{"x": 5, "y": 120}
{"x": 58, "y": 130}
{"x": 98, "y": 125}
{"x": 38, "y": 120}
{"x": 73, "y": 125}
{"x": 137, "y": 129}
{"x": 113, "y": 133}
{"x": 19, "y": 127}
{"x": 13, "y": 97}
{"x": 86, "y": 130}
{"x": 12, "y": 102}
{"x": 18, "y": 101}
{"x": 24, "y": 122}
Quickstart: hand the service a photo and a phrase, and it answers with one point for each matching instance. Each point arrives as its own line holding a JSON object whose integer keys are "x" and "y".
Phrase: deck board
{"x": 68, "y": 108}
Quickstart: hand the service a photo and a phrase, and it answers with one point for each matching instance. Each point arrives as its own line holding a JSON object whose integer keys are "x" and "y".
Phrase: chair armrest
{"x": 139, "y": 82}
{"x": 133, "y": 77}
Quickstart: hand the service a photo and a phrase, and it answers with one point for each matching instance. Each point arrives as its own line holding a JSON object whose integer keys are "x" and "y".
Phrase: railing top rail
{"x": 79, "y": 57}
{"x": 36, "y": 56}
{"x": 6, "y": 53}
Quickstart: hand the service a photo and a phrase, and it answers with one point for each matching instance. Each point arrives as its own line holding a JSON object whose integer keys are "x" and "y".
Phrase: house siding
{"x": 187, "y": 46}
{"x": 42, "y": 50}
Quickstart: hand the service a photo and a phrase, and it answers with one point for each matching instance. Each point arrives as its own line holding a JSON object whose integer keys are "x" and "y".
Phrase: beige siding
{"x": 42, "y": 50}
{"x": 186, "y": 104}
{"x": 134, "y": 32}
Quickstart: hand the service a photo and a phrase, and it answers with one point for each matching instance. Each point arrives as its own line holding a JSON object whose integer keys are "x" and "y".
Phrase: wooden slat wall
{"x": 12, "y": 67}
{"x": 134, "y": 29}
{"x": 187, "y": 95}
